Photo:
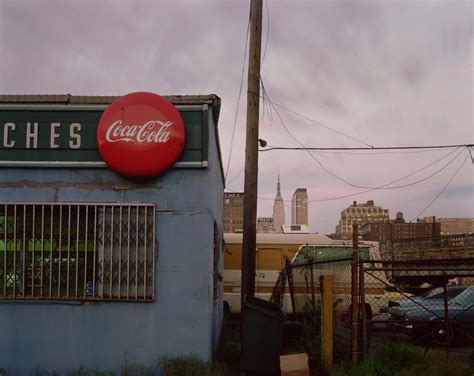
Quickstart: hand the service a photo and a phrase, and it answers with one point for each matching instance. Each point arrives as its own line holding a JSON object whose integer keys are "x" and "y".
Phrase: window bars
{"x": 77, "y": 251}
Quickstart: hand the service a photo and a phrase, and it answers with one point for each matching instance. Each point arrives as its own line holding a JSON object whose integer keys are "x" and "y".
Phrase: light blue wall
{"x": 183, "y": 319}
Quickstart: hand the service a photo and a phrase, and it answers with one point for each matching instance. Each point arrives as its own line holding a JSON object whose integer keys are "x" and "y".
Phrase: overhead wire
{"x": 238, "y": 103}
{"x": 236, "y": 176}
{"x": 392, "y": 182}
{"x": 442, "y": 190}
{"x": 324, "y": 168}
{"x": 334, "y": 149}
{"x": 319, "y": 123}
{"x": 362, "y": 152}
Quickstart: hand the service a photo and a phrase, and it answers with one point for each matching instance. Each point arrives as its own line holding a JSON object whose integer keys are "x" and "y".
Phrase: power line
{"x": 318, "y": 123}
{"x": 235, "y": 177}
{"x": 442, "y": 190}
{"x": 375, "y": 152}
{"x": 238, "y": 102}
{"x": 268, "y": 33}
{"x": 304, "y": 148}
{"x": 390, "y": 183}
{"x": 385, "y": 186}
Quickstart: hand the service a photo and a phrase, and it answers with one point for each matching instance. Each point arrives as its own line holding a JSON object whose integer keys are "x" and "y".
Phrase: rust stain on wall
{"x": 80, "y": 185}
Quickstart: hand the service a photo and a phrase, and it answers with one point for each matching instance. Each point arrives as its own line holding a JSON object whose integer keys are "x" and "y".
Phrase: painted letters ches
{"x": 30, "y": 137}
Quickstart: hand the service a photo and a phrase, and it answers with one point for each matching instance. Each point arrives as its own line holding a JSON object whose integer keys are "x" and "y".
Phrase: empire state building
{"x": 278, "y": 210}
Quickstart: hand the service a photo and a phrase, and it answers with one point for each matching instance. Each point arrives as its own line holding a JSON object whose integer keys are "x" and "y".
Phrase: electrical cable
{"x": 268, "y": 34}
{"x": 236, "y": 176}
{"x": 318, "y": 123}
{"x": 238, "y": 102}
{"x": 304, "y": 148}
{"x": 442, "y": 190}
{"x": 390, "y": 183}
{"x": 385, "y": 186}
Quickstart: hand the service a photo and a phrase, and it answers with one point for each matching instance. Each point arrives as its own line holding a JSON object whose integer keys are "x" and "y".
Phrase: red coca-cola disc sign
{"x": 140, "y": 135}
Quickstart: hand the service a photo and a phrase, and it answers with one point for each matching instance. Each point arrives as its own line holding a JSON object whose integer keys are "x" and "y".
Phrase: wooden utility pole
{"x": 251, "y": 154}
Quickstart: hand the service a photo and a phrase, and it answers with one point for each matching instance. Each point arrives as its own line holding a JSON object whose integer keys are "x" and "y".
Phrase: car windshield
{"x": 466, "y": 298}
{"x": 438, "y": 292}
{"x": 432, "y": 293}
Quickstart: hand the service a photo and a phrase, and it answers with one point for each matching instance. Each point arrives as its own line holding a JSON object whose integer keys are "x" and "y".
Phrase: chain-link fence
{"x": 429, "y": 303}
{"x": 307, "y": 290}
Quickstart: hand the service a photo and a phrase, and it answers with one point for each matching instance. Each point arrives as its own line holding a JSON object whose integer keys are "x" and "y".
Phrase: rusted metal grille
{"x": 77, "y": 251}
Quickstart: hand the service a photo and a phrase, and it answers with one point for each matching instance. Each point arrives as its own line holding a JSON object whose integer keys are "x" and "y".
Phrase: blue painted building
{"x": 96, "y": 269}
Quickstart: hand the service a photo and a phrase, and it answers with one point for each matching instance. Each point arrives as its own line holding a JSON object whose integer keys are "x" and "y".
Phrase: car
{"x": 438, "y": 322}
{"x": 432, "y": 297}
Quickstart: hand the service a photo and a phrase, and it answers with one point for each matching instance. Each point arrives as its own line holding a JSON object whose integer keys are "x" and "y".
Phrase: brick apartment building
{"x": 398, "y": 229}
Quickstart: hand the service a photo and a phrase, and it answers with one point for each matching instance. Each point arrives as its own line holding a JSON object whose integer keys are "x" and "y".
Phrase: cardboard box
{"x": 294, "y": 365}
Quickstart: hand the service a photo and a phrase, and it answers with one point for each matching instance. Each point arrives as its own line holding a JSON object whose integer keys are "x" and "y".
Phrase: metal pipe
{"x": 136, "y": 255}
{"x": 128, "y": 253}
{"x": 32, "y": 253}
{"x": 5, "y": 253}
{"x": 111, "y": 269}
{"x": 364, "y": 345}
{"x": 60, "y": 261}
{"x": 154, "y": 252}
{"x": 77, "y": 249}
{"x": 14, "y": 251}
{"x": 51, "y": 249}
{"x": 289, "y": 277}
{"x": 103, "y": 257}
{"x": 68, "y": 248}
{"x": 23, "y": 256}
{"x": 120, "y": 255}
{"x": 86, "y": 247}
{"x": 42, "y": 249}
{"x": 144, "y": 254}
{"x": 94, "y": 253}
{"x": 354, "y": 300}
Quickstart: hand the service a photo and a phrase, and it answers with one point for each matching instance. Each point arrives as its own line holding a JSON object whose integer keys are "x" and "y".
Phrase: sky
{"x": 385, "y": 73}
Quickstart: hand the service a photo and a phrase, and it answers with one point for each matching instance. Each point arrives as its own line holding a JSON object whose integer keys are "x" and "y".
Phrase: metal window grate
{"x": 77, "y": 251}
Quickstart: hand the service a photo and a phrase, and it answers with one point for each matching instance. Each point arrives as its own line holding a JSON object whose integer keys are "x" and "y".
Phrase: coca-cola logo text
{"x": 152, "y": 131}
{"x": 141, "y": 135}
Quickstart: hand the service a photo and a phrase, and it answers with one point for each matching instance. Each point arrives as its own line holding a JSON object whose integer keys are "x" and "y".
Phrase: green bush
{"x": 189, "y": 366}
{"x": 402, "y": 359}
{"x": 398, "y": 355}
{"x": 437, "y": 364}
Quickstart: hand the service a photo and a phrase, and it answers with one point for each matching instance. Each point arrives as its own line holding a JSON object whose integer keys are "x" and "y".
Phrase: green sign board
{"x": 67, "y": 137}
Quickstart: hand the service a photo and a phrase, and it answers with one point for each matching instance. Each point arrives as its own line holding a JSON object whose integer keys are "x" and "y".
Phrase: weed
{"x": 189, "y": 366}
{"x": 436, "y": 363}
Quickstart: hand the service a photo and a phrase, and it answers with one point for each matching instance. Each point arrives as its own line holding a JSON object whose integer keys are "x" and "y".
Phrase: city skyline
{"x": 382, "y": 73}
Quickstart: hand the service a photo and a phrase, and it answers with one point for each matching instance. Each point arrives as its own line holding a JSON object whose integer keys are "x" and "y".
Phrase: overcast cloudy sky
{"x": 384, "y": 72}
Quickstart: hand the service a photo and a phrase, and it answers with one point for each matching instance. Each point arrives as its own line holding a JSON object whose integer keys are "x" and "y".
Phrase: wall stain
{"x": 80, "y": 185}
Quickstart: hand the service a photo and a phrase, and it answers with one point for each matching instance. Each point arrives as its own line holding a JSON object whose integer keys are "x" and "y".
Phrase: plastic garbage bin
{"x": 262, "y": 336}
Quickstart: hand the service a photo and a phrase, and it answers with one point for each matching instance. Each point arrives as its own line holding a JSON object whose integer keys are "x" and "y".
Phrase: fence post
{"x": 326, "y": 320}
{"x": 354, "y": 300}
{"x": 313, "y": 292}
{"x": 289, "y": 277}
{"x": 364, "y": 345}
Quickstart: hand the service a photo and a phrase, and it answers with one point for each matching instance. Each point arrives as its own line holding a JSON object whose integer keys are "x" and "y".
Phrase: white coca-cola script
{"x": 155, "y": 131}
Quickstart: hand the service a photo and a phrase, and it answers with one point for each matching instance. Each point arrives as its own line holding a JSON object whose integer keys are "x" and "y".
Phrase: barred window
{"x": 77, "y": 251}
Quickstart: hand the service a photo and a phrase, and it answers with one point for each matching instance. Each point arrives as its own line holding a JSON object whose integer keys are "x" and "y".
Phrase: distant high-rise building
{"x": 360, "y": 214}
{"x": 299, "y": 207}
{"x": 233, "y": 212}
{"x": 278, "y": 210}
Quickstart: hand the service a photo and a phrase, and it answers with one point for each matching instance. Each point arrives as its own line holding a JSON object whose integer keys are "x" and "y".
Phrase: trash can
{"x": 262, "y": 336}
